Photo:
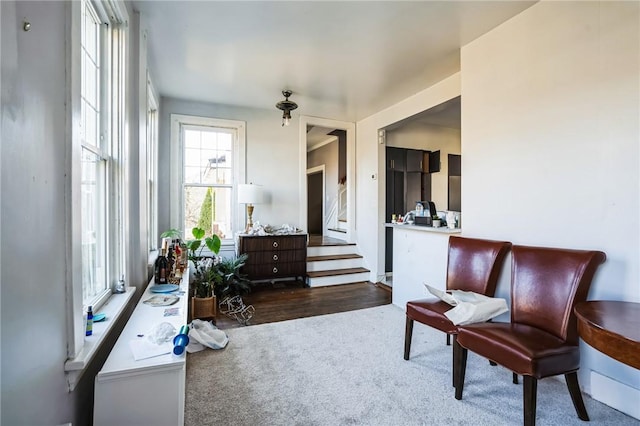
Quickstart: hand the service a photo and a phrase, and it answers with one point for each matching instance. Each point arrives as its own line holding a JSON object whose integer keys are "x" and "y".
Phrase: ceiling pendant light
{"x": 286, "y": 106}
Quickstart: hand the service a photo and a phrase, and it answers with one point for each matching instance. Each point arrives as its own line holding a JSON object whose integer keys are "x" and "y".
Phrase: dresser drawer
{"x": 293, "y": 242}
{"x": 272, "y": 257}
{"x": 281, "y": 270}
{"x": 275, "y": 256}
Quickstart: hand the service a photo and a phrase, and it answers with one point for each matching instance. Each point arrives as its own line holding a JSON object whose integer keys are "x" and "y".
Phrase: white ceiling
{"x": 343, "y": 60}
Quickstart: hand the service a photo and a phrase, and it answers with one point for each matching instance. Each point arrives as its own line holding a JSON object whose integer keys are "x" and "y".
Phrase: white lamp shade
{"x": 250, "y": 194}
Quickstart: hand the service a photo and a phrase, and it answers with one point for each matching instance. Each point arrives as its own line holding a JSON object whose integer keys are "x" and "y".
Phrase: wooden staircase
{"x": 333, "y": 262}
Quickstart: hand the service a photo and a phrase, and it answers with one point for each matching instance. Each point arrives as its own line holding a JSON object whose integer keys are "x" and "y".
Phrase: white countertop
{"x": 144, "y": 317}
{"x": 407, "y": 227}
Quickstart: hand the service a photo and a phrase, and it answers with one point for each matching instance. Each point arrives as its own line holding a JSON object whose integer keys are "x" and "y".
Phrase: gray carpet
{"x": 348, "y": 369}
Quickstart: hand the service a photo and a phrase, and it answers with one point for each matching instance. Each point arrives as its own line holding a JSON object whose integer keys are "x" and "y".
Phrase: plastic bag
{"x": 162, "y": 333}
{"x": 204, "y": 334}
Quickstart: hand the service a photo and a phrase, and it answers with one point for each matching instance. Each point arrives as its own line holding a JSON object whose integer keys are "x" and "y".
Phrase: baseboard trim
{"x": 615, "y": 394}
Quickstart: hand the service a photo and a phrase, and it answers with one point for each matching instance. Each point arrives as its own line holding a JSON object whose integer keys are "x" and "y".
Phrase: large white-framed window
{"x": 208, "y": 162}
{"x": 97, "y": 206}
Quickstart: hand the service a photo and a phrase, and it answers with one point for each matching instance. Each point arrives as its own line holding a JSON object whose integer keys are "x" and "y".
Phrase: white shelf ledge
{"x": 113, "y": 309}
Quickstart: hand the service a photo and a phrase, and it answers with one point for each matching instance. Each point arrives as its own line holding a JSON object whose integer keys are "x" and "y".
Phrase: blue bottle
{"x": 89, "y": 331}
{"x": 181, "y": 340}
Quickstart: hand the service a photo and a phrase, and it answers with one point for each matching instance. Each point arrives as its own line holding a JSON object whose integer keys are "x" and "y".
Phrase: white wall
{"x": 33, "y": 206}
{"x": 370, "y": 170}
{"x": 33, "y": 215}
{"x": 550, "y": 131}
{"x": 272, "y": 157}
{"x": 417, "y": 135}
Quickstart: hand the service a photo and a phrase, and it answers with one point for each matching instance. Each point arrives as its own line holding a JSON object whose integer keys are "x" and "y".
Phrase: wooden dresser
{"x": 273, "y": 257}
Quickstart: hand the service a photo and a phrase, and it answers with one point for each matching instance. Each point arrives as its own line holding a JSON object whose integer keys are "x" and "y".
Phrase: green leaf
{"x": 193, "y": 245}
{"x": 171, "y": 233}
{"x": 198, "y": 233}
{"x": 213, "y": 243}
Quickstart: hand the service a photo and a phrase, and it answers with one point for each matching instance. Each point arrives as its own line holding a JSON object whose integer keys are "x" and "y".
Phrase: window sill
{"x": 151, "y": 260}
{"x": 113, "y": 309}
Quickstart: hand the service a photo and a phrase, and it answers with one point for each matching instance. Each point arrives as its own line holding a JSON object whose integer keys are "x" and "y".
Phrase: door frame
{"x": 350, "y": 129}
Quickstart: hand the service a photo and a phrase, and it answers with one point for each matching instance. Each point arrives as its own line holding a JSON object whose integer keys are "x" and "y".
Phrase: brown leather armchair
{"x": 542, "y": 339}
{"x": 472, "y": 265}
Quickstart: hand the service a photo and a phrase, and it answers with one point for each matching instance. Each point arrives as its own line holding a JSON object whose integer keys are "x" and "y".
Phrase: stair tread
{"x": 317, "y": 274}
{"x": 333, "y": 257}
{"x": 332, "y": 244}
{"x": 343, "y": 231}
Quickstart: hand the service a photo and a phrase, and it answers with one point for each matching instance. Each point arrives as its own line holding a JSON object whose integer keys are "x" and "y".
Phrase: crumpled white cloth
{"x": 204, "y": 334}
{"x": 469, "y": 307}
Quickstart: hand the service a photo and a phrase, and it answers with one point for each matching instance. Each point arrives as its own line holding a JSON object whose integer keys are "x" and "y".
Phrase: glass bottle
{"x": 120, "y": 286}
{"x": 161, "y": 270}
{"x": 172, "y": 260}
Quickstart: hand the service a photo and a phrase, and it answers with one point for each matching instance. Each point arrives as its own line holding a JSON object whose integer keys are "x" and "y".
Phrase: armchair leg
{"x": 448, "y": 340}
{"x": 515, "y": 379}
{"x": 453, "y": 361}
{"x": 530, "y": 391}
{"x": 576, "y": 395}
{"x": 459, "y": 367}
{"x": 408, "y": 333}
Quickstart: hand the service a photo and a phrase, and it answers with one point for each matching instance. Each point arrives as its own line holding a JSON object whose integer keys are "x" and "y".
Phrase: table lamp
{"x": 249, "y": 194}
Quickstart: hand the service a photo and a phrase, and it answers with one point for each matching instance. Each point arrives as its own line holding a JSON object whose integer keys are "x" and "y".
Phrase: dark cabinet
{"x": 415, "y": 159}
{"x": 407, "y": 181}
{"x": 409, "y": 184}
{"x": 455, "y": 182}
{"x": 274, "y": 256}
{"x": 396, "y": 159}
{"x": 395, "y": 193}
{"x": 434, "y": 162}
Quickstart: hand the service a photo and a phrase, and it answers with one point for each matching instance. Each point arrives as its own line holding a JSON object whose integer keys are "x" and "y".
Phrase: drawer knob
{"x": 275, "y": 244}
{"x": 275, "y": 270}
{"x": 275, "y": 257}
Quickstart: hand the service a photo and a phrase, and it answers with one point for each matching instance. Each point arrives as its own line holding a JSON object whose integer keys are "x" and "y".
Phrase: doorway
{"x": 339, "y": 176}
{"x": 315, "y": 198}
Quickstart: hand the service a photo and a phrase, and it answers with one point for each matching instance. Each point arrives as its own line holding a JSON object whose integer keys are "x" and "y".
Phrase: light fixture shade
{"x": 286, "y": 107}
{"x": 248, "y": 193}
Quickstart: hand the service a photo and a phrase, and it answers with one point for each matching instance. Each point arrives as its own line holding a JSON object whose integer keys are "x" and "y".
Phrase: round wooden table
{"x": 612, "y": 327}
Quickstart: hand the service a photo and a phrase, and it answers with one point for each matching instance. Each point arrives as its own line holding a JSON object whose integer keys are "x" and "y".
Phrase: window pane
{"x": 192, "y": 157}
{"x": 206, "y": 152}
{"x": 192, "y": 138}
{"x": 225, "y": 141}
{"x": 208, "y": 208}
{"x": 94, "y": 277}
{"x": 90, "y": 124}
{"x": 90, "y": 40}
{"x": 90, "y": 87}
{"x": 224, "y": 176}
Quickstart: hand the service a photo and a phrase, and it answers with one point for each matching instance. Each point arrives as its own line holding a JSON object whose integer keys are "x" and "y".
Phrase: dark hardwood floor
{"x": 287, "y": 300}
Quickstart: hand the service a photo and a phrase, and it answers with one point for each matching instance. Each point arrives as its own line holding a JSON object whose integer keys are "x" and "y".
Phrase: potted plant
{"x": 234, "y": 282}
{"x": 234, "y": 285}
{"x": 204, "y": 274}
{"x": 206, "y": 278}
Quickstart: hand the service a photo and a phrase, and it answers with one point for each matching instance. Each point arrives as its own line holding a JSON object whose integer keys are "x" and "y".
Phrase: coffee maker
{"x": 424, "y": 219}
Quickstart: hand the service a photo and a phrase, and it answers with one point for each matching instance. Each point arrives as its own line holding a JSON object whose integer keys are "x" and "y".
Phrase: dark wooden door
{"x": 314, "y": 203}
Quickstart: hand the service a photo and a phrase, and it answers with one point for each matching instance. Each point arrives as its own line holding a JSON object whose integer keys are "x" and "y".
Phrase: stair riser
{"x": 338, "y": 279}
{"x": 336, "y": 234}
{"x": 331, "y": 250}
{"x": 327, "y": 265}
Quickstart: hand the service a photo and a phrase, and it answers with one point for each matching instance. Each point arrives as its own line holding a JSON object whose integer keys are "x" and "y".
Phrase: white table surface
{"x": 143, "y": 319}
